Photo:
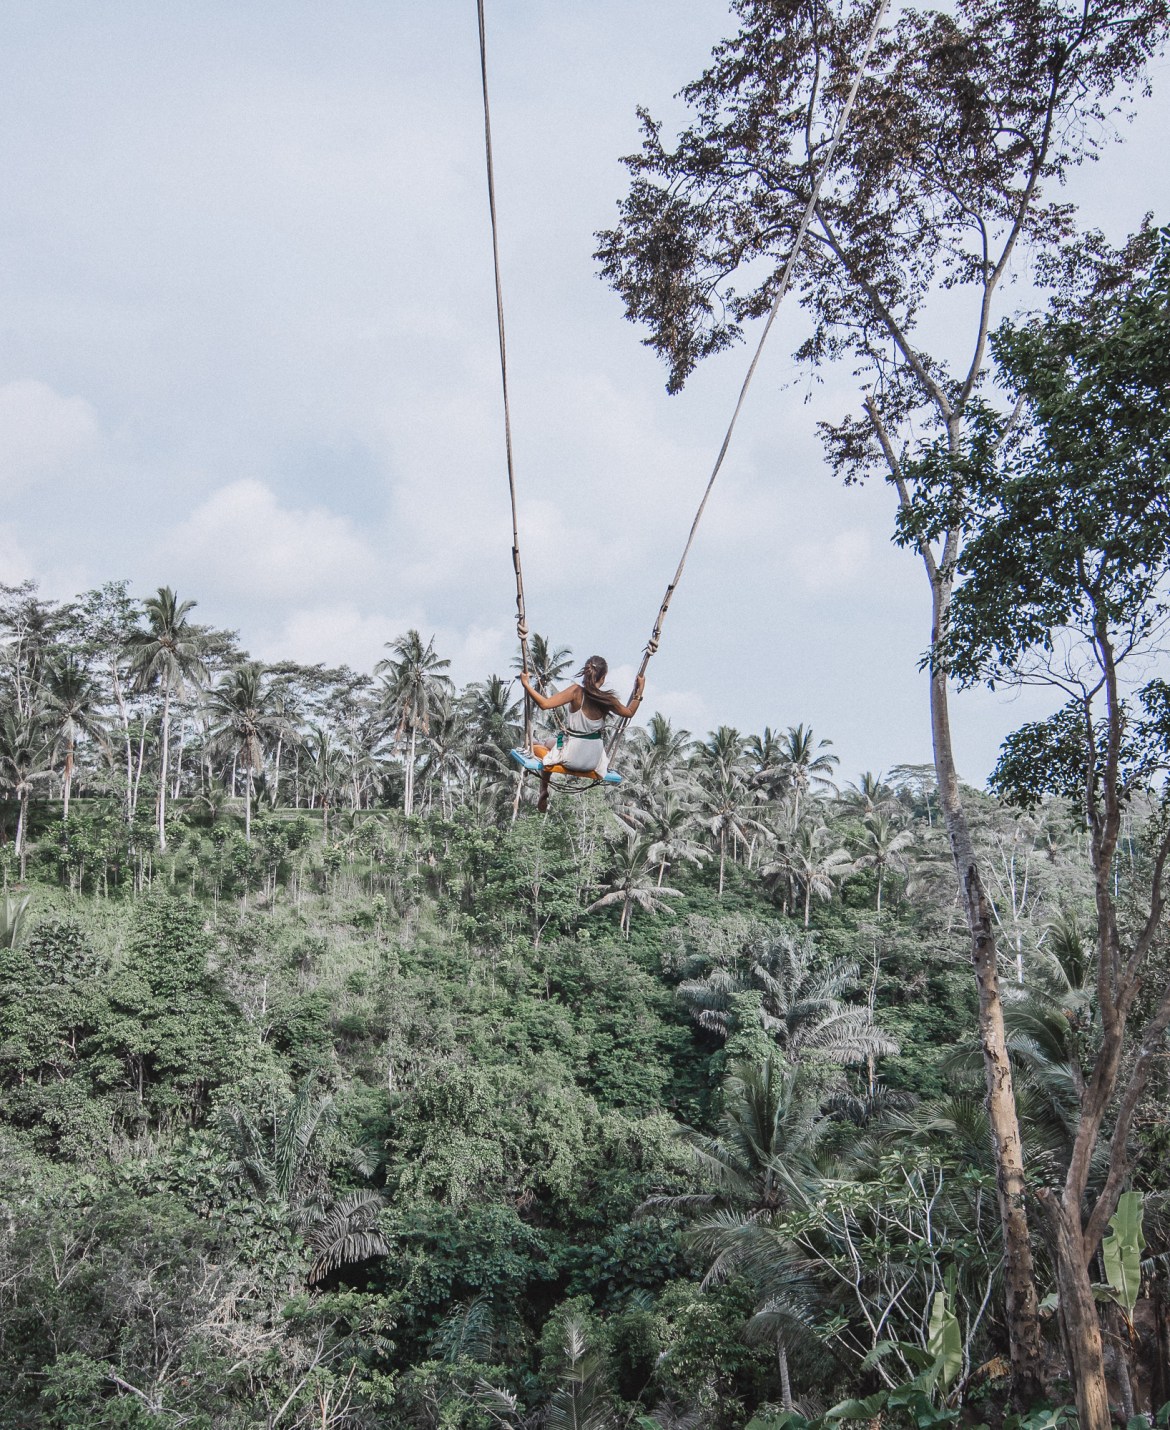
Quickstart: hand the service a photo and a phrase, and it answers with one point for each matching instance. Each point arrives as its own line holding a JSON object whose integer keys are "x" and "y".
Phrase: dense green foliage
{"x": 339, "y": 1089}
{"x": 663, "y": 1106}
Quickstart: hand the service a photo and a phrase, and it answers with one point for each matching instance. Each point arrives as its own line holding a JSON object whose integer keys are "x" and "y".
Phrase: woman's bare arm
{"x": 568, "y": 696}
{"x": 627, "y": 712}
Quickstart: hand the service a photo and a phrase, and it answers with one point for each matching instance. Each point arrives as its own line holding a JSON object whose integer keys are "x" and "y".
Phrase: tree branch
{"x": 899, "y": 479}
{"x": 938, "y": 396}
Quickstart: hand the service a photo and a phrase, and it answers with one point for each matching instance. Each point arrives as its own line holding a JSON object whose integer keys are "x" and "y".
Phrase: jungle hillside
{"x": 343, "y": 1089}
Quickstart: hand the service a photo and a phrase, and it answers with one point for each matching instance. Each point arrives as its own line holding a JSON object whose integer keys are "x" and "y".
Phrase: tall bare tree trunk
{"x": 1023, "y": 1310}
{"x": 138, "y": 767}
{"x": 1078, "y": 1310}
{"x": 124, "y": 716}
{"x": 785, "y": 1380}
{"x": 164, "y": 761}
{"x": 179, "y": 760}
{"x": 67, "y": 781}
{"x": 408, "y": 800}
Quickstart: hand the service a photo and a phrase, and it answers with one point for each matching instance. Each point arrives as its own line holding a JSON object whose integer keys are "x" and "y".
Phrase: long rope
{"x": 785, "y": 278}
{"x": 521, "y": 617}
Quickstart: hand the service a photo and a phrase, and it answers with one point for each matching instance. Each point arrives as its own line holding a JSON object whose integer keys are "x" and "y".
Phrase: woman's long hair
{"x": 591, "y": 674}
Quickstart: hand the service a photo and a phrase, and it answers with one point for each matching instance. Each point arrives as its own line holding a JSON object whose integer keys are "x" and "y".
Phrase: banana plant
{"x": 941, "y": 1363}
{"x": 1122, "y": 1253}
{"x": 938, "y": 1365}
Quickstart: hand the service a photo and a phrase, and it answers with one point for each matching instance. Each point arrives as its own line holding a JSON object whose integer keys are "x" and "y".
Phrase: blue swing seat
{"x": 538, "y": 767}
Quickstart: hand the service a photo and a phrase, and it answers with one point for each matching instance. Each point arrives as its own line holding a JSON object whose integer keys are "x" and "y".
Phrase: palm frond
{"x": 348, "y": 1232}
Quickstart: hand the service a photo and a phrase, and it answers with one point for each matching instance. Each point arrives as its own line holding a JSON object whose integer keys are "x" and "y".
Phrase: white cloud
{"x": 477, "y": 652}
{"x": 41, "y": 432}
{"x": 832, "y": 563}
{"x": 337, "y": 634}
{"x": 242, "y": 542}
{"x": 685, "y": 709}
{"x": 342, "y": 633}
{"x": 596, "y": 475}
{"x": 15, "y": 564}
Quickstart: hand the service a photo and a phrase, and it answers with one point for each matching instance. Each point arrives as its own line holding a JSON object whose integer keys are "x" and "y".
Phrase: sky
{"x": 248, "y": 350}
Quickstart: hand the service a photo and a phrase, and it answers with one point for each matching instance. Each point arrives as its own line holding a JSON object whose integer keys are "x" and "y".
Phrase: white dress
{"x": 581, "y": 746}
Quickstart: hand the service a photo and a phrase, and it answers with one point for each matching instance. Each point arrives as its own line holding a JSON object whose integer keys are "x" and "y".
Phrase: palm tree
{"x": 630, "y": 882}
{"x": 768, "y": 769}
{"x": 24, "y": 759}
{"x": 761, "y": 1156}
{"x": 413, "y": 683}
{"x": 763, "y": 1161}
{"x": 722, "y": 748}
{"x": 805, "y": 768}
{"x": 917, "y": 786}
{"x": 581, "y": 1401}
{"x": 882, "y": 847}
{"x": 815, "y": 866}
{"x": 245, "y": 723}
{"x": 1050, "y": 1026}
{"x": 277, "y": 1152}
{"x": 725, "y": 801}
{"x": 669, "y": 822}
{"x": 324, "y": 774}
{"x": 443, "y": 758}
{"x": 170, "y": 652}
{"x": 547, "y": 663}
{"x": 802, "y": 1006}
{"x": 72, "y": 697}
{"x": 493, "y": 724}
{"x": 287, "y": 708}
{"x": 870, "y": 795}
{"x": 667, "y": 748}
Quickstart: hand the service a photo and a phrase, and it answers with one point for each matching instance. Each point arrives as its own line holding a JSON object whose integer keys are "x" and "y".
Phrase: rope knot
{"x": 652, "y": 646}
{"x": 522, "y": 630}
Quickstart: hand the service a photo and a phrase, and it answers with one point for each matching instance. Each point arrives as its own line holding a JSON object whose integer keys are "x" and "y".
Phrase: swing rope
{"x": 834, "y": 143}
{"x": 521, "y": 616}
{"x": 785, "y": 278}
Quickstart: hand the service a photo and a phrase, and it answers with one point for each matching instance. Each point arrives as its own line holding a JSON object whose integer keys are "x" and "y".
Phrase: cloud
{"x": 15, "y": 563}
{"x": 332, "y": 634}
{"x": 342, "y": 633}
{"x": 241, "y": 542}
{"x": 41, "y": 432}
{"x": 685, "y": 709}
{"x": 595, "y": 471}
{"x": 832, "y": 563}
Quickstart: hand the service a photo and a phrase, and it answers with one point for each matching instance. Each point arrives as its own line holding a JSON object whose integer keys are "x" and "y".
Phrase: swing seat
{"x": 538, "y": 767}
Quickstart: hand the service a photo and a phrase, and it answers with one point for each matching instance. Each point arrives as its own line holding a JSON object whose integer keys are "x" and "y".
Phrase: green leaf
{"x": 1122, "y": 1251}
{"x": 944, "y": 1340}
{"x": 865, "y": 1409}
{"x": 915, "y": 1355}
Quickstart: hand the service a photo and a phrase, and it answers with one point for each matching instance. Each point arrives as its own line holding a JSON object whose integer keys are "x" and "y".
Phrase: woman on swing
{"x": 581, "y": 747}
